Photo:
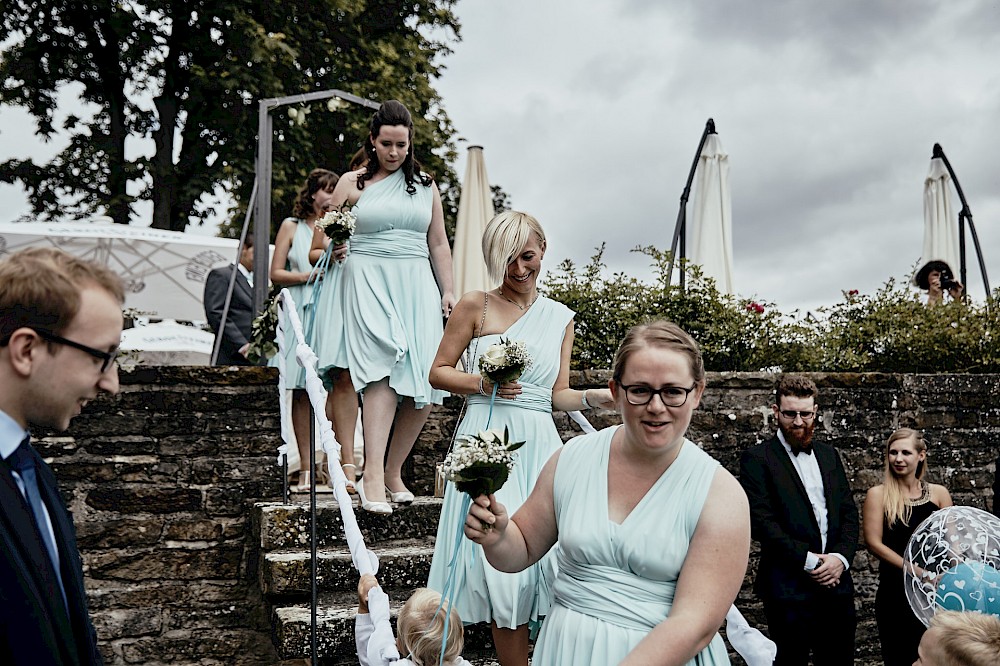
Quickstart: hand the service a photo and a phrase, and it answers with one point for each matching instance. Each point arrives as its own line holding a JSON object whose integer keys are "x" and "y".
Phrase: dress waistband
{"x": 533, "y": 396}
{"x": 584, "y": 590}
{"x": 395, "y": 243}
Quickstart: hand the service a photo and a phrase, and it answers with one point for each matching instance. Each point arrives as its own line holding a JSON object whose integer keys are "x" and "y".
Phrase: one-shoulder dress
{"x": 899, "y": 630}
{"x": 486, "y": 594}
{"x": 387, "y": 295}
{"x": 616, "y": 582}
{"x": 297, "y": 261}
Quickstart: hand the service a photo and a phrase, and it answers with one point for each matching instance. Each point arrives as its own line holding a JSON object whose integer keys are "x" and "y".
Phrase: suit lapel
{"x": 33, "y": 555}
{"x": 792, "y": 477}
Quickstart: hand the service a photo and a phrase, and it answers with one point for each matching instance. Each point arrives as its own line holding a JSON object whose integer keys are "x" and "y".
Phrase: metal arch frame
{"x": 680, "y": 228}
{"x": 964, "y": 215}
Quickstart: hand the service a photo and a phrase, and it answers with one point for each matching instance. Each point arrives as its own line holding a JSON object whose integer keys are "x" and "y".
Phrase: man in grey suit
{"x": 803, "y": 514}
{"x": 236, "y": 332}
{"x": 60, "y": 326}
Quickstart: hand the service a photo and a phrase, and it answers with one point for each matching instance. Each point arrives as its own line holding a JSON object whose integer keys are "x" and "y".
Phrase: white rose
{"x": 491, "y": 435}
{"x": 494, "y": 356}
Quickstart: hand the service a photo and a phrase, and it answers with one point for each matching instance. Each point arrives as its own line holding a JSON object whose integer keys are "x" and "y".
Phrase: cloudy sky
{"x": 590, "y": 113}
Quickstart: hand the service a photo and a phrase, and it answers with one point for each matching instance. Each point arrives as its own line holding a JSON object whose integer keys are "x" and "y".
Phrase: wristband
{"x": 583, "y": 400}
{"x": 482, "y": 391}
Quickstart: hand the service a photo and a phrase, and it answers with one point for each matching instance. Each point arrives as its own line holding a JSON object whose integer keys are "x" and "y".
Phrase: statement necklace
{"x": 520, "y": 307}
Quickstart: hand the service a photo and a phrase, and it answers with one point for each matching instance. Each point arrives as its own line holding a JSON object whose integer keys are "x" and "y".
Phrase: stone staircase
{"x": 404, "y": 542}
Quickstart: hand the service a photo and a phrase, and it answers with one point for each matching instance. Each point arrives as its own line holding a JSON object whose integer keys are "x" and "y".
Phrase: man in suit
{"x": 803, "y": 515}
{"x": 60, "y": 326}
{"x": 236, "y": 333}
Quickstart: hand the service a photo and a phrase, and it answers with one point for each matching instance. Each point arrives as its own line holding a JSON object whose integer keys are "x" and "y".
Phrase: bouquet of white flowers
{"x": 480, "y": 464}
{"x": 338, "y": 225}
{"x": 505, "y": 361}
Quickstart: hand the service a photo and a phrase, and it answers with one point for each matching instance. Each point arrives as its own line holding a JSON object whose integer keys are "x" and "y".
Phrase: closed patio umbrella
{"x": 475, "y": 210}
{"x": 940, "y": 226}
{"x": 712, "y": 248}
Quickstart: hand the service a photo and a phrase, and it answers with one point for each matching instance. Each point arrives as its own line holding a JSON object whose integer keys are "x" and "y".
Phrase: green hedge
{"x": 889, "y": 331}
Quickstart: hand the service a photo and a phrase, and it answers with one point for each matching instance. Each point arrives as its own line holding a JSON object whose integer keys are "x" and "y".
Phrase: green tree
{"x": 188, "y": 75}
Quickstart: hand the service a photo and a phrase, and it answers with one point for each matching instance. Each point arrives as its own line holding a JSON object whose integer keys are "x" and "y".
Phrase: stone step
{"x": 285, "y": 526}
{"x": 403, "y": 566}
{"x": 335, "y": 631}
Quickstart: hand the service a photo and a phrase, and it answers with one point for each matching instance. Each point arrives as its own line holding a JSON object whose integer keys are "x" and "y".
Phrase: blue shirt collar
{"x": 11, "y": 435}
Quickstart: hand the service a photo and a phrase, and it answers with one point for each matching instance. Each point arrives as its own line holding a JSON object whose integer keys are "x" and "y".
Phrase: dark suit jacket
{"x": 782, "y": 520}
{"x": 240, "y": 317}
{"x": 35, "y": 628}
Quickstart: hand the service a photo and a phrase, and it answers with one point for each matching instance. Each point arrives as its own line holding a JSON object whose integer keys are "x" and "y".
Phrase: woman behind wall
{"x": 892, "y": 511}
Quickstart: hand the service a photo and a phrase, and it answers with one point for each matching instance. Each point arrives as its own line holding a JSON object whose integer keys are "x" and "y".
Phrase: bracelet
{"x": 583, "y": 400}
{"x": 482, "y": 391}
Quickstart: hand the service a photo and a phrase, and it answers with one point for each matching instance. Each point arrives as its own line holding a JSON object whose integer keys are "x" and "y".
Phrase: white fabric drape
{"x": 712, "y": 246}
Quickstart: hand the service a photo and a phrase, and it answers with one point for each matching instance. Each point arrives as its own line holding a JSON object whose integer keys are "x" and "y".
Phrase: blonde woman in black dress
{"x": 892, "y": 511}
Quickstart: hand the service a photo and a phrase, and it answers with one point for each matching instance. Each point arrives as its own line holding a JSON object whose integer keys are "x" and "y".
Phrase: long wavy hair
{"x": 318, "y": 179}
{"x": 391, "y": 114}
{"x": 894, "y": 504}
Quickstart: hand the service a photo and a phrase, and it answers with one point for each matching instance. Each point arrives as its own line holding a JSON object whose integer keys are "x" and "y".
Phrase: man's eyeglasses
{"x": 671, "y": 396}
{"x": 107, "y": 358}
{"x": 790, "y": 414}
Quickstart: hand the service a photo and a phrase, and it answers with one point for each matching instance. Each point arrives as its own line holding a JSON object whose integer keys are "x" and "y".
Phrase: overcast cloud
{"x": 590, "y": 114}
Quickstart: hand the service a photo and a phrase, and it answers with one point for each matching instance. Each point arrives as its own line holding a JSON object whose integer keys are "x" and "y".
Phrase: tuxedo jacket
{"x": 783, "y": 522}
{"x": 240, "y": 317}
{"x": 35, "y": 627}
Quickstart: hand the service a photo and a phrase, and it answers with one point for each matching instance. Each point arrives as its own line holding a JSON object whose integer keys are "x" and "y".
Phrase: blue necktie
{"x": 23, "y": 463}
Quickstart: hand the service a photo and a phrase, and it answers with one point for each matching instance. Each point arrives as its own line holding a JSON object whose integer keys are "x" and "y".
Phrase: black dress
{"x": 899, "y": 630}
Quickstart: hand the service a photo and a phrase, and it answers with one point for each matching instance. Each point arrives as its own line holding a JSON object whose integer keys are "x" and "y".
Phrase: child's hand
{"x": 365, "y": 585}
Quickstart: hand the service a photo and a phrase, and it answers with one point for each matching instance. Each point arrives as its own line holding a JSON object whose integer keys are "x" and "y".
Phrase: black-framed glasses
{"x": 790, "y": 414}
{"x": 671, "y": 396}
{"x": 107, "y": 358}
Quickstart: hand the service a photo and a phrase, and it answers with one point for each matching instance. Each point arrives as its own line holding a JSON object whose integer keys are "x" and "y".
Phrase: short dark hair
{"x": 40, "y": 288}
{"x": 923, "y": 276}
{"x": 794, "y": 386}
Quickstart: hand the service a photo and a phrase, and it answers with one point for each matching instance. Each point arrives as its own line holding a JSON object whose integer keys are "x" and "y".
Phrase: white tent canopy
{"x": 164, "y": 271}
{"x": 940, "y": 221}
{"x": 475, "y": 210}
{"x": 712, "y": 248}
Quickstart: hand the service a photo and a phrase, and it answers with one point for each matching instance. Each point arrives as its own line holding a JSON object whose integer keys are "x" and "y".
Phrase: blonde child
{"x": 419, "y": 629}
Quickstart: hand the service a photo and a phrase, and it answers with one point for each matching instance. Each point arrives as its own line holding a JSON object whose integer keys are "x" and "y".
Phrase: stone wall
{"x": 160, "y": 479}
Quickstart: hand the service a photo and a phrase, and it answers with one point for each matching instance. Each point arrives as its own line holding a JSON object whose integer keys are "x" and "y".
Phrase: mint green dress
{"x": 389, "y": 300}
{"x": 486, "y": 594}
{"x": 298, "y": 261}
{"x": 326, "y": 332}
{"x": 617, "y": 582}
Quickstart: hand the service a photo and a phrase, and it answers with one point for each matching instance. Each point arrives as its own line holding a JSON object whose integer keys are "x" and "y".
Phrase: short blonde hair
{"x": 967, "y": 638}
{"x": 421, "y": 629}
{"x": 505, "y": 236}
{"x": 40, "y": 288}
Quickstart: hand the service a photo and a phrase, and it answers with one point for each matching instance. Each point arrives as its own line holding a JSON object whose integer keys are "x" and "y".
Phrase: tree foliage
{"x": 889, "y": 331}
{"x": 187, "y": 75}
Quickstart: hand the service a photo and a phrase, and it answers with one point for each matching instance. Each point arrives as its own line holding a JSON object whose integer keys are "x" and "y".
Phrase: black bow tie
{"x": 796, "y": 450}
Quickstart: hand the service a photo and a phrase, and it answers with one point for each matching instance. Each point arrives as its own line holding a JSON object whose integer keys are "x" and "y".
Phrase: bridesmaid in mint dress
{"x": 513, "y": 245}
{"x": 291, "y": 268}
{"x": 391, "y": 305}
{"x": 653, "y": 534}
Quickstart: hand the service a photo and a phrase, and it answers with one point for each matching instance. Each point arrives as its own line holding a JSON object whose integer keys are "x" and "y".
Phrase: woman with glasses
{"x": 513, "y": 247}
{"x": 654, "y": 535}
{"x": 892, "y": 511}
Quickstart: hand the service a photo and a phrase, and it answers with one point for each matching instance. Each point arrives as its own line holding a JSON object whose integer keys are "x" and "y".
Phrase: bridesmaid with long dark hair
{"x": 892, "y": 511}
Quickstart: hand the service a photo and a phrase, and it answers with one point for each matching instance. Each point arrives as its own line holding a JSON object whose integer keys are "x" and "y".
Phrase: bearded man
{"x": 803, "y": 515}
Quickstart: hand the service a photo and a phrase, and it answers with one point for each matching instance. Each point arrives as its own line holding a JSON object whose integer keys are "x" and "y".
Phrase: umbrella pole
{"x": 680, "y": 228}
{"x": 963, "y": 215}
